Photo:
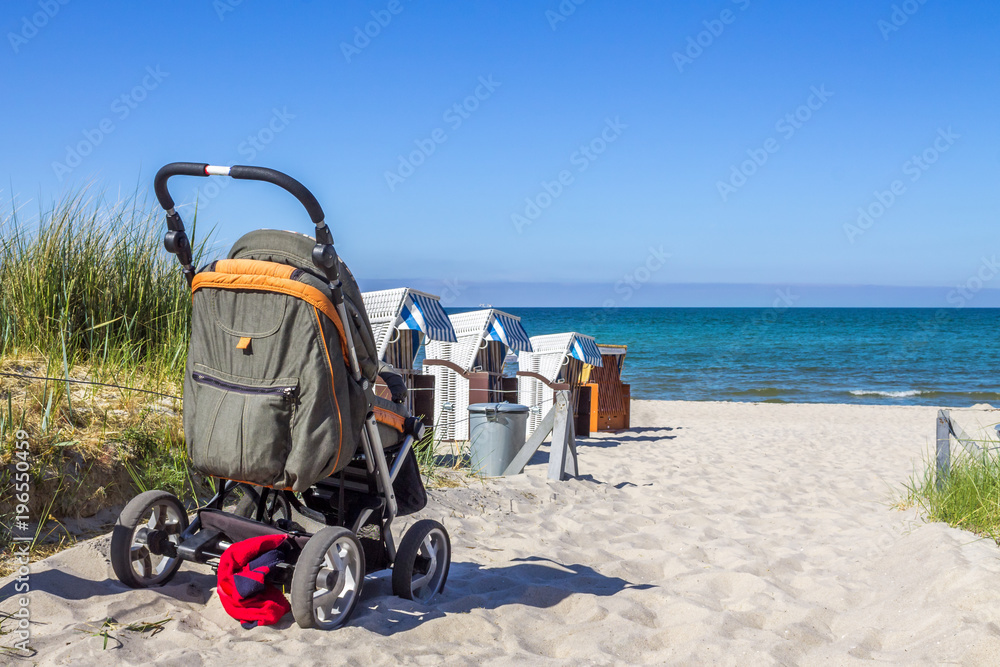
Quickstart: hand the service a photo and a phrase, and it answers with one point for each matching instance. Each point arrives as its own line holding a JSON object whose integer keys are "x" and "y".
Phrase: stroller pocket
{"x": 244, "y": 425}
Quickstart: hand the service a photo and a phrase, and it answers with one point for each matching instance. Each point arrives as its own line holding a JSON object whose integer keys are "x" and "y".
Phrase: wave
{"x": 761, "y": 391}
{"x": 982, "y": 395}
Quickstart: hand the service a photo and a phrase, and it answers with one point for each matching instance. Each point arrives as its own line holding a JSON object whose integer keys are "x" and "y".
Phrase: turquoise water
{"x": 948, "y": 357}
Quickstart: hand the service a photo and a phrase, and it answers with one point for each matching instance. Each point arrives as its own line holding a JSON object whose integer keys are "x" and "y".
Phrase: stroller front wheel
{"x": 327, "y": 580}
{"x": 422, "y": 561}
{"x": 145, "y": 538}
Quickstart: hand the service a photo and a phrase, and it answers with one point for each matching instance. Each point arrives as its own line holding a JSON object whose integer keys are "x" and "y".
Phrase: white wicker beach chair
{"x": 477, "y": 358}
{"x": 402, "y": 319}
{"x": 556, "y": 359}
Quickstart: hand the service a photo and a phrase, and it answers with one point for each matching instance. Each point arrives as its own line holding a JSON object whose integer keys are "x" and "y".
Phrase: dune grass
{"x": 968, "y": 497}
{"x": 88, "y": 293}
{"x": 423, "y": 451}
{"x": 89, "y": 282}
{"x": 437, "y": 469}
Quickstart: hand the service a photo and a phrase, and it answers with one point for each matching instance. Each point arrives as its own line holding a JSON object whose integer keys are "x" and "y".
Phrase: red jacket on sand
{"x": 244, "y": 594}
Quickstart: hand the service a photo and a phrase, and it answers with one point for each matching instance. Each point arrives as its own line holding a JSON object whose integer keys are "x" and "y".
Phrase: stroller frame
{"x": 331, "y": 564}
{"x": 201, "y": 543}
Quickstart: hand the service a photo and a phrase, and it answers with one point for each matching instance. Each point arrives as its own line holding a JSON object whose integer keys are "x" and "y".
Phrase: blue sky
{"x": 597, "y": 145}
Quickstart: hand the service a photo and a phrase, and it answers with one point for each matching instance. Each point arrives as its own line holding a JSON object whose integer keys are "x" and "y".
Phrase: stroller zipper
{"x": 288, "y": 393}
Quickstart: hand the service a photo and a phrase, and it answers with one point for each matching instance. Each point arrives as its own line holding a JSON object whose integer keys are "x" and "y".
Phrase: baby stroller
{"x": 280, "y": 411}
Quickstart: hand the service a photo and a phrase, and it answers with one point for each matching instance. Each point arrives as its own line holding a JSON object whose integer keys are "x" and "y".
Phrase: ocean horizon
{"x": 884, "y": 356}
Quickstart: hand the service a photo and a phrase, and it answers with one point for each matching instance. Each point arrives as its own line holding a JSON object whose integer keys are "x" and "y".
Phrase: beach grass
{"x": 968, "y": 497}
{"x": 94, "y": 316}
{"x": 88, "y": 281}
{"x": 424, "y": 452}
{"x": 435, "y": 468}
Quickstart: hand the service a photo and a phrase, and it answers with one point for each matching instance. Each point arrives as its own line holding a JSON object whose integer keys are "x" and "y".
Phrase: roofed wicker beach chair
{"x": 402, "y": 320}
{"x": 471, "y": 370}
{"x": 610, "y": 398}
{"x": 555, "y": 363}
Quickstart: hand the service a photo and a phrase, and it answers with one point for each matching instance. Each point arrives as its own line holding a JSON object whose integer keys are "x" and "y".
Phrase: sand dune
{"x": 711, "y": 533}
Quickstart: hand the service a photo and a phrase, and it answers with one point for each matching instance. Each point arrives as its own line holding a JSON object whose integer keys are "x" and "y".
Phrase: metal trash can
{"x": 496, "y": 435}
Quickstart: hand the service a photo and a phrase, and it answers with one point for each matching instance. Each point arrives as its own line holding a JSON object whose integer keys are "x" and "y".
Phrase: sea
{"x": 888, "y": 356}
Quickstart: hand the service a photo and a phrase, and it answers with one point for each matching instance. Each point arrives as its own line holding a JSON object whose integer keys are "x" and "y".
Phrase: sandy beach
{"x": 709, "y": 533}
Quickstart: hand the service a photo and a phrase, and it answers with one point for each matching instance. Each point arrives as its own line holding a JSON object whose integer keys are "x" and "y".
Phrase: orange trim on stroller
{"x": 266, "y": 486}
{"x": 270, "y": 283}
{"x": 390, "y": 418}
{"x": 254, "y": 267}
{"x": 340, "y": 445}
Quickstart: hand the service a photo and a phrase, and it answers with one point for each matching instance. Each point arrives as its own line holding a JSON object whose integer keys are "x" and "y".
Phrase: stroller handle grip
{"x": 323, "y": 255}
{"x": 176, "y": 240}
{"x": 242, "y": 172}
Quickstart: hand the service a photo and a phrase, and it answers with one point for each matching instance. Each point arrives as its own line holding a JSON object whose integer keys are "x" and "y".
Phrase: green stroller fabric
{"x": 268, "y": 396}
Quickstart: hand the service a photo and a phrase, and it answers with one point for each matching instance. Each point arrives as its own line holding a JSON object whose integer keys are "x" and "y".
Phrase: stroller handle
{"x": 242, "y": 172}
{"x": 176, "y": 241}
{"x": 323, "y": 255}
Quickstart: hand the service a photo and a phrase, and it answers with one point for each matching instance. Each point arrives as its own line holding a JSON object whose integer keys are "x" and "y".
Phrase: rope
{"x": 970, "y": 444}
{"x": 441, "y": 417}
{"x": 157, "y": 393}
{"x": 98, "y": 384}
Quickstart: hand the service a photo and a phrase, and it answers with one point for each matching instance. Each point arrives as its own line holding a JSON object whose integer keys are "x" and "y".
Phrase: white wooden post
{"x": 560, "y": 436}
{"x": 572, "y": 468}
{"x": 943, "y": 448}
{"x": 562, "y": 451}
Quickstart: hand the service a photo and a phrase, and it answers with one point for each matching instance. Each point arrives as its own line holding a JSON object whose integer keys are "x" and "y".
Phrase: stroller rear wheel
{"x": 145, "y": 538}
{"x": 422, "y": 561}
{"x": 276, "y": 507}
{"x": 326, "y": 583}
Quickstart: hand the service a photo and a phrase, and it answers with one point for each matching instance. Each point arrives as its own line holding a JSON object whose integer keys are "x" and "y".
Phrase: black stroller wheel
{"x": 145, "y": 538}
{"x": 327, "y": 580}
{"x": 422, "y": 561}
{"x": 276, "y": 508}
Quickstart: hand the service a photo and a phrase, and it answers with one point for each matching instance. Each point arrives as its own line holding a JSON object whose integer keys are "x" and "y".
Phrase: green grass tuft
{"x": 88, "y": 282}
{"x": 968, "y": 498}
{"x": 155, "y": 458}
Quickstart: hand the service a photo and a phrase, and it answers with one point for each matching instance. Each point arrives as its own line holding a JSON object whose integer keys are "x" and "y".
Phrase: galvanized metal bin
{"x": 496, "y": 435}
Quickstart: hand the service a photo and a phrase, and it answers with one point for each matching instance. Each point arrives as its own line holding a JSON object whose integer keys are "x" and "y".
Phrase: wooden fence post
{"x": 943, "y": 448}
{"x": 560, "y": 436}
{"x": 562, "y": 451}
{"x": 572, "y": 464}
